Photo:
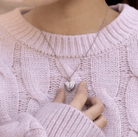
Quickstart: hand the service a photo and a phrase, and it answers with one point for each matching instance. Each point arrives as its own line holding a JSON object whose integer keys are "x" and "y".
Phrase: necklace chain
{"x": 69, "y": 78}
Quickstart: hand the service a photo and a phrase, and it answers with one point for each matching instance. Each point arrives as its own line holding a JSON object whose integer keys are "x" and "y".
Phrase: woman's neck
{"x": 71, "y": 17}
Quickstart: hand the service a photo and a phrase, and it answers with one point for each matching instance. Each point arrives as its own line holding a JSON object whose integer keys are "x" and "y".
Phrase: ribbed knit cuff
{"x": 63, "y": 120}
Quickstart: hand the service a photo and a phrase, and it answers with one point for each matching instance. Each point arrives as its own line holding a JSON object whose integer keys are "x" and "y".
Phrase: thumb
{"x": 60, "y": 97}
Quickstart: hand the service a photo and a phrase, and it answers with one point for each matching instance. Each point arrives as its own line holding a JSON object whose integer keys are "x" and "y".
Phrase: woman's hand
{"x": 81, "y": 98}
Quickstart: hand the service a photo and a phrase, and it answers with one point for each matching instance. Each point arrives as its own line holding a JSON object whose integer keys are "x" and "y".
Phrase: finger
{"x": 96, "y": 108}
{"x": 81, "y": 96}
{"x": 102, "y": 130}
{"x": 101, "y": 121}
{"x": 60, "y": 97}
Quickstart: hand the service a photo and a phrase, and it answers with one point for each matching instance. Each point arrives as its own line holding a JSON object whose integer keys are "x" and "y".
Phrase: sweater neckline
{"x": 108, "y": 38}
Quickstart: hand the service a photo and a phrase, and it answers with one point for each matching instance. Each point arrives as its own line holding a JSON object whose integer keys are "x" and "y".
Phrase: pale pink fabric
{"x": 30, "y": 76}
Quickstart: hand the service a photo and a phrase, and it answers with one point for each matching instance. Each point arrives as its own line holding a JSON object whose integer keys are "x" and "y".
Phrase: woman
{"x": 50, "y": 87}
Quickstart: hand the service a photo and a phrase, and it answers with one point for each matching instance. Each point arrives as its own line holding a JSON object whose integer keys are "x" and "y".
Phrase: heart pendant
{"x": 69, "y": 86}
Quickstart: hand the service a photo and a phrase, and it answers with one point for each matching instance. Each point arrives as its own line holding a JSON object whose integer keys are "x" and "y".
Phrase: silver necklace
{"x": 70, "y": 84}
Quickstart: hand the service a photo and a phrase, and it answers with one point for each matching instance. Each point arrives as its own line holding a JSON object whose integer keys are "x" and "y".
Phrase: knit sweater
{"x": 30, "y": 76}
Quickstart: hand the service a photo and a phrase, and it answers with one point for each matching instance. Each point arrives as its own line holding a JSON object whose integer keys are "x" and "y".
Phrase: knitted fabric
{"x": 30, "y": 76}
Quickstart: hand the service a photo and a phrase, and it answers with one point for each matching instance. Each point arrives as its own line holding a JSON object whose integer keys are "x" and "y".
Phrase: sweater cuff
{"x": 62, "y": 120}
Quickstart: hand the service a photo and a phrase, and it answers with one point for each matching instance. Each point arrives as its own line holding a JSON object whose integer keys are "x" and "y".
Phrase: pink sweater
{"x": 30, "y": 77}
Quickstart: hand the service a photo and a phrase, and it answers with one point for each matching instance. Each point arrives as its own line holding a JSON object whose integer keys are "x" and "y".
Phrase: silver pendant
{"x": 69, "y": 86}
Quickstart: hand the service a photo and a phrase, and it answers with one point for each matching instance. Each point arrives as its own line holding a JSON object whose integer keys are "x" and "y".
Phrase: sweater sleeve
{"x": 13, "y": 124}
{"x": 63, "y": 120}
{"x": 25, "y": 126}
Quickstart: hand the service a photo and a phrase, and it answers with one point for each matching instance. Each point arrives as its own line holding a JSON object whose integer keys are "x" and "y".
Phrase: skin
{"x": 69, "y": 17}
{"x": 81, "y": 98}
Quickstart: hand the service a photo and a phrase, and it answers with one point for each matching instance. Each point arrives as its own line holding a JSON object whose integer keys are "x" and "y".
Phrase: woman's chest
{"x": 107, "y": 77}
{"x": 43, "y": 75}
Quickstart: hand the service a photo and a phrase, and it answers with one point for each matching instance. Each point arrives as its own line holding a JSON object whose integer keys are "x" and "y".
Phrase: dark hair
{"x": 133, "y": 3}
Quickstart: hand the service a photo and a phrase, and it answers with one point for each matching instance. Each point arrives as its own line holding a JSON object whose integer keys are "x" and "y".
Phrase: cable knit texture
{"x": 30, "y": 76}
